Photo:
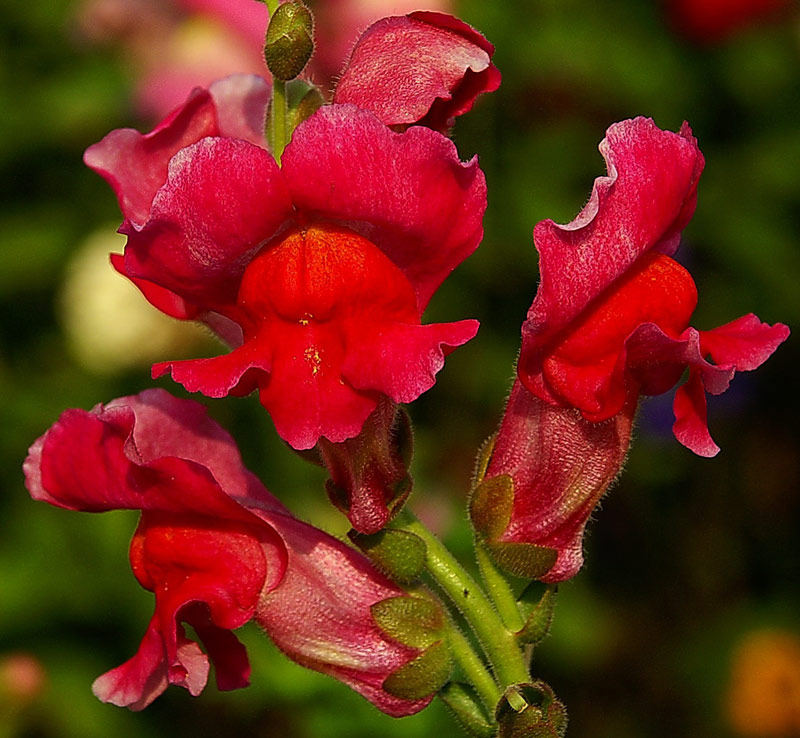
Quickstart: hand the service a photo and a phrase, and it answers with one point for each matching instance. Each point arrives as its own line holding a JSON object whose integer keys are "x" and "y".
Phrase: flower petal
{"x": 222, "y": 200}
{"x": 642, "y": 205}
{"x": 745, "y": 343}
{"x": 691, "y": 425}
{"x": 421, "y": 68}
{"x": 398, "y": 359}
{"x": 319, "y": 615}
{"x": 135, "y": 165}
{"x": 406, "y": 193}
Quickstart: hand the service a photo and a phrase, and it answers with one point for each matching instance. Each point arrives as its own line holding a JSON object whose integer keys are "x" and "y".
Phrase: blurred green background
{"x": 685, "y": 620}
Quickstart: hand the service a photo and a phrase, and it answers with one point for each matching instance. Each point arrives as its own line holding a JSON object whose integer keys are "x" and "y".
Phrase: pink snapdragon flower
{"x": 711, "y": 21}
{"x": 217, "y": 550}
{"x": 610, "y": 323}
{"x": 317, "y": 272}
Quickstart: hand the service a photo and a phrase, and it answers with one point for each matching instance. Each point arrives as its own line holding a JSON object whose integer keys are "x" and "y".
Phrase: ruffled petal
{"x": 406, "y": 193}
{"x": 319, "y": 615}
{"x": 222, "y": 200}
{"x": 745, "y": 343}
{"x": 421, "y": 68}
{"x": 149, "y": 452}
{"x": 691, "y": 425}
{"x": 135, "y": 165}
{"x": 398, "y": 359}
{"x": 137, "y": 682}
{"x": 642, "y": 205}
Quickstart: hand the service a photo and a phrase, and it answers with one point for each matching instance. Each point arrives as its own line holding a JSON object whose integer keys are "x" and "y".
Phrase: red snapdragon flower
{"x": 217, "y": 550}
{"x": 317, "y": 272}
{"x": 610, "y": 322}
{"x": 711, "y": 21}
{"x": 424, "y": 68}
{"x": 611, "y": 317}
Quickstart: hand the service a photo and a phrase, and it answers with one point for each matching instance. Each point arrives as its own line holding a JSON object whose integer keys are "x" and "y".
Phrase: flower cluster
{"x": 310, "y": 236}
{"x": 610, "y": 322}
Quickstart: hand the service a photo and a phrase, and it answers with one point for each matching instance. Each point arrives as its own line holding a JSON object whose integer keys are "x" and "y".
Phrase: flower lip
{"x": 311, "y": 273}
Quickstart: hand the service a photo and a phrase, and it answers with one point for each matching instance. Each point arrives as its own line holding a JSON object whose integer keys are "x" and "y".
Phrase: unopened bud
{"x": 290, "y": 40}
{"x": 530, "y": 710}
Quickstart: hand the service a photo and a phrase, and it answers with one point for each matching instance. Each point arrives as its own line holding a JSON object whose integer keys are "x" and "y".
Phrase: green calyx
{"x": 413, "y": 621}
{"x": 530, "y": 710}
{"x": 290, "y": 40}
{"x": 416, "y": 622}
{"x": 539, "y": 609}
{"x": 398, "y": 553}
{"x": 490, "y": 509}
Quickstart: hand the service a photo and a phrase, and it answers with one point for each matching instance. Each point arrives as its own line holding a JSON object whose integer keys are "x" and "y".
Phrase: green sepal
{"x": 398, "y": 553}
{"x": 413, "y": 621}
{"x": 463, "y": 702}
{"x": 490, "y": 506}
{"x": 290, "y": 40}
{"x": 302, "y": 100}
{"x": 422, "y": 676}
{"x": 482, "y": 460}
{"x": 530, "y": 710}
{"x": 539, "y": 608}
{"x": 490, "y": 509}
{"x": 526, "y": 560}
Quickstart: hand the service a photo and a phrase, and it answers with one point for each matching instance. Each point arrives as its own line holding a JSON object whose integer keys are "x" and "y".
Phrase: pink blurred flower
{"x": 610, "y": 322}
{"x": 711, "y": 21}
{"x": 217, "y": 550}
{"x": 317, "y": 272}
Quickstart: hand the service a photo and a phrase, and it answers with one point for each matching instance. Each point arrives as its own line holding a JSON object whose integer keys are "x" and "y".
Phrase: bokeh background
{"x": 685, "y": 620}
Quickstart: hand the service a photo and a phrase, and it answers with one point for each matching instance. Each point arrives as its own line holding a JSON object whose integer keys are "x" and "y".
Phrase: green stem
{"x": 499, "y": 590}
{"x": 474, "y": 668}
{"x": 279, "y": 132}
{"x": 272, "y": 6}
{"x": 497, "y": 641}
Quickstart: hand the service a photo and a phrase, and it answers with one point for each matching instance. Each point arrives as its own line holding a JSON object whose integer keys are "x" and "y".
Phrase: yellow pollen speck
{"x": 312, "y": 356}
{"x": 305, "y": 319}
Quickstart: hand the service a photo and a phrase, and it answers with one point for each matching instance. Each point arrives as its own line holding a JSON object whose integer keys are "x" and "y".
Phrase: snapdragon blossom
{"x": 610, "y": 322}
{"x": 611, "y": 316}
{"x": 217, "y": 550}
{"x": 317, "y": 272}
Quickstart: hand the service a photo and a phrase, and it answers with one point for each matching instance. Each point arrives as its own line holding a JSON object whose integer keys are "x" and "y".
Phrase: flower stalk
{"x": 497, "y": 641}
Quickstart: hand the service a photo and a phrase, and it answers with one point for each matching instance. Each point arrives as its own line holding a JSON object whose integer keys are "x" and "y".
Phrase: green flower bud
{"x": 290, "y": 40}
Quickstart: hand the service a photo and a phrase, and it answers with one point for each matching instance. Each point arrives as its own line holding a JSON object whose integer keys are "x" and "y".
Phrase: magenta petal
{"x": 137, "y": 682}
{"x": 402, "y": 66}
{"x": 691, "y": 426}
{"x": 135, "y": 165}
{"x": 222, "y": 200}
{"x": 151, "y": 452}
{"x": 408, "y": 193}
{"x": 745, "y": 343}
{"x": 647, "y": 198}
{"x": 232, "y": 373}
{"x": 163, "y": 299}
{"x": 229, "y": 656}
{"x": 402, "y": 360}
{"x": 319, "y": 615}
{"x": 241, "y": 101}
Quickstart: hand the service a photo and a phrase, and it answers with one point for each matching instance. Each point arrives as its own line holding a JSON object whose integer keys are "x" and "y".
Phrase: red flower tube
{"x": 610, "y": 322}
{"x": 317, "y": 272}
{"x": 217, "y": 550}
